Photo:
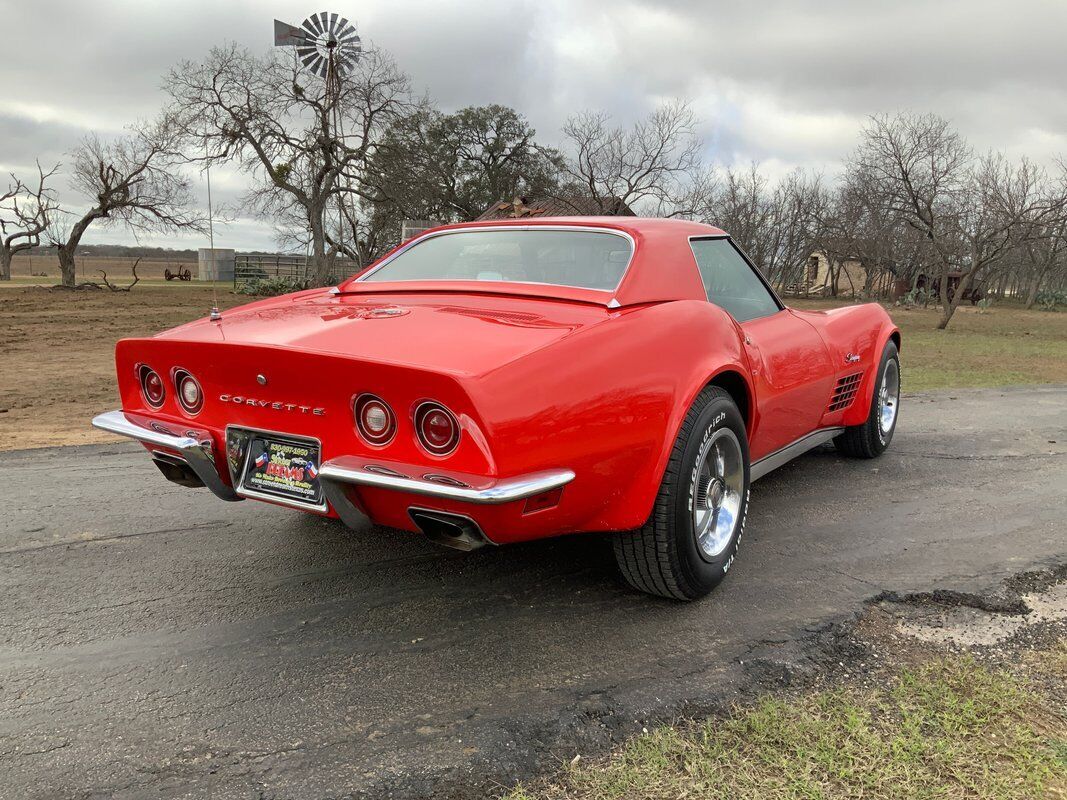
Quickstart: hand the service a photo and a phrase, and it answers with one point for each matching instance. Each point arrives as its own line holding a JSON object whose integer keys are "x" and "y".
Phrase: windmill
{"x": 328, "y": 47}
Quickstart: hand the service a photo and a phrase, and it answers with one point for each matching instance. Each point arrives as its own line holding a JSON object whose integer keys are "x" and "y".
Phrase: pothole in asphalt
{"x": 970, "y": 626}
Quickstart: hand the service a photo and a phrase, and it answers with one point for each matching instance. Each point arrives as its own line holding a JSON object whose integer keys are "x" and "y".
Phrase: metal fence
{"x": 266, "y": 267}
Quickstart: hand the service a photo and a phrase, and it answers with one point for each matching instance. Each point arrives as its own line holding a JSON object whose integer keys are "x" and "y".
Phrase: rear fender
{"x": 726, "y": 355}
{"x": 608, "y": 403}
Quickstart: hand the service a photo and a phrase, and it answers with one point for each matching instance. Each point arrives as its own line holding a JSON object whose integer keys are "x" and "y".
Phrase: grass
{"x": 948, "y": 729}
{"x": 1002, "y": 346}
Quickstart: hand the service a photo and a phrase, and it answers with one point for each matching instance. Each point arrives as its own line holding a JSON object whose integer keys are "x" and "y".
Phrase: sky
{"x": 786, "y": 83}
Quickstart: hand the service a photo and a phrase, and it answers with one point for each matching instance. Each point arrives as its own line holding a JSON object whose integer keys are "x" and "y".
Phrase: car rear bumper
{"x": 337, "y": 474}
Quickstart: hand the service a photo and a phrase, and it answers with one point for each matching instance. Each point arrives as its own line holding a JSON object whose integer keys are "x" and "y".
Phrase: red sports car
{"x": 488, "y": 383}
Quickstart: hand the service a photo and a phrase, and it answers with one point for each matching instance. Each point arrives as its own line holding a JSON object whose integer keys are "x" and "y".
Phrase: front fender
{"x": 858, "y": 412}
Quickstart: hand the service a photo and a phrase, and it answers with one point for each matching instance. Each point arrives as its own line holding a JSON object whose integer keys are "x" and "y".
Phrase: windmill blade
{"x": 306, "y": 50}
{"x": 314, "y": 62}
{"x": 351, "y": 55}
{"x": 333, "y": 25}
{"x": 341, "y": 64}
{"x": 322, "y": 22}
{"x": 347, "y": 34}
{"x": 311, "y": 25}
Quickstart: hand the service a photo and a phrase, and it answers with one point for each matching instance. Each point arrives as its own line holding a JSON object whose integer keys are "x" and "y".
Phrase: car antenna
{"x": 215, "y": 315}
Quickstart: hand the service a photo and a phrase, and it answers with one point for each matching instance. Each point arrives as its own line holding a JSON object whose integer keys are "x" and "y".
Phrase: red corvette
{"x": 489, "y": 383}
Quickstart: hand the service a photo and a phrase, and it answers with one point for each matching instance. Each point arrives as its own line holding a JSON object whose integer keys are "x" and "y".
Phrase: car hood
{"x": 457, "y": 333}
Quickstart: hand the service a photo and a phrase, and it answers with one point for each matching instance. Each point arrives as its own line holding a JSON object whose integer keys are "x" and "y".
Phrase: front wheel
{"x": 691, "y": 538}
{"x": 871, "y": 438}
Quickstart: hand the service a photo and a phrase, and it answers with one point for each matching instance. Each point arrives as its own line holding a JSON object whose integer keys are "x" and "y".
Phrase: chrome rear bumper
{"x": 339, "y": 472}
{"x": 194, "y": 449}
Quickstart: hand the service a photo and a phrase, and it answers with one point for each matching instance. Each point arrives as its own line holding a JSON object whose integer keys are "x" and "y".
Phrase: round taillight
{"x": 436, "y": 428}
{"x": 190, "y": 396}
{"x": 152, "y": 387}
{"x": 374, "y": 419}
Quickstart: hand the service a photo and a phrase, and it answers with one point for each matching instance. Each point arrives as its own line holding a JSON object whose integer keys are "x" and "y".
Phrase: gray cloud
{"x": 785, "y": 82}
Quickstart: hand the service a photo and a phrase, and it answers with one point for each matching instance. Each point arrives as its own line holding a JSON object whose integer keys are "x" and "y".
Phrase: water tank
{"x": 217, "y": 264}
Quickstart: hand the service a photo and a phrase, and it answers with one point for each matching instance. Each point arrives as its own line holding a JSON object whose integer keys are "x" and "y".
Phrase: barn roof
{"x": 562, "y": 206}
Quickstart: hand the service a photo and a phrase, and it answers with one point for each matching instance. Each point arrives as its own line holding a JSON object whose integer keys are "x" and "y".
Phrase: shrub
{"x": 269, "y": 287}
{"x": 1049, "y": 299}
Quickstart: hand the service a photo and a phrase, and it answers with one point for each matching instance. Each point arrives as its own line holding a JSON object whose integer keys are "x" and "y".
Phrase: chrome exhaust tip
{"x": 451, "y": 530}
{"x": 176, "y": 469}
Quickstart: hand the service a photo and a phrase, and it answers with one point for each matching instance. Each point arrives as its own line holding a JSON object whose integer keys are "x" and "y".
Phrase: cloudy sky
{"x": 782, "y": 82}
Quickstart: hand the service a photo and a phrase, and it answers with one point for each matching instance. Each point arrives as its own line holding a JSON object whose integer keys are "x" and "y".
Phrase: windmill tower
{"x": 327, "y": 45}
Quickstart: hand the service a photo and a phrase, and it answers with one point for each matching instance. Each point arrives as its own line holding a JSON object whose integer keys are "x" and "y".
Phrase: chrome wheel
{"x": 715, "y": 494}
{"x": 890, "y": 397}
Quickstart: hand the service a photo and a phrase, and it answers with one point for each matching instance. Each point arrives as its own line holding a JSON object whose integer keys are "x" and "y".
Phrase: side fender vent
{"x": 845, "y": 392}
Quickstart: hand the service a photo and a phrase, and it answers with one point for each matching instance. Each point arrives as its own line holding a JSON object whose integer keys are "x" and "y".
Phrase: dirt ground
{"x": 56, "y": 369}
{"x": 56, "y": 345}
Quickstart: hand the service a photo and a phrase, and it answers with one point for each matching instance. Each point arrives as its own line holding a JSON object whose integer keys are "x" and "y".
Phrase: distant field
{"x": 56, "y": 368}
{"x": 45, "y": 268}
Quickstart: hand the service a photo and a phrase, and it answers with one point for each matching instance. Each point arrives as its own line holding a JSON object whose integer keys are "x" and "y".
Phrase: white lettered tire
{"x": 691, "y": 538}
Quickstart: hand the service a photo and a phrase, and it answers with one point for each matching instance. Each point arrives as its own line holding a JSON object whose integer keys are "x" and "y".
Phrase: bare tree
{"x": 971, "y": 211}
{"x": 651, "y": 162}
{"x": 25, "y": 213}
{"x": 778, "y": 225}
{"x": 1046, "y": 256}
{"x": 1044, "y": 252}
{"x": 131, "y": 181}
{"x": 276, "y": 121}
{"x": 857, "y": 226}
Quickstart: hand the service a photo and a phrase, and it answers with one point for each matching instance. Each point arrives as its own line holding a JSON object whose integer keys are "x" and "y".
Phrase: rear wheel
{"x": 871, "y": 438}
{"x": 691, "y": 538}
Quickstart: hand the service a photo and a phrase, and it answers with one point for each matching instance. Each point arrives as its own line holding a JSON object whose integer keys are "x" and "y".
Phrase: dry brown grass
{"x": 56, "y": 367}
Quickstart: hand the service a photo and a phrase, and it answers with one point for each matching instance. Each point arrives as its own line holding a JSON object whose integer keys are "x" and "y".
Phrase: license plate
{"x": 284, "y": 468}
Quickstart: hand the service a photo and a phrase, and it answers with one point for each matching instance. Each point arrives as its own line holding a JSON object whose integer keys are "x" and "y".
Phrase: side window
{"x": 730, "y": 282}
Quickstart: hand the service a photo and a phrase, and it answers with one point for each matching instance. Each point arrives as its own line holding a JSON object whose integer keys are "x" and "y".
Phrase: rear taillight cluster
{"x": 186, "y": 389}
{"x": 151, "y": 386}
{"x": 190, "y": 397}
{"x": 436, "y": 428}
{"x": 375, "y": 421}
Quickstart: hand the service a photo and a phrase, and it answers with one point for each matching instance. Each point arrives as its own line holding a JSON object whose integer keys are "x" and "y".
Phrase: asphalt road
{"x": 157, "y": 642}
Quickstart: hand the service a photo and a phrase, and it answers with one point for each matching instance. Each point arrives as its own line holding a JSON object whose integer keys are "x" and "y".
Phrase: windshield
{"x": 578, "y": 258}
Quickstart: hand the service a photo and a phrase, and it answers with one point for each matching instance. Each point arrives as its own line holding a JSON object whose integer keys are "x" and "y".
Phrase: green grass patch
{"x": 1004, "y": 345}
{"x": 949, "y": 729}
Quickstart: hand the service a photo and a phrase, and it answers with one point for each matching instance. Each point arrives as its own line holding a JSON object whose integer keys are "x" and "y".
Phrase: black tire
{"x": 869, "y": 440}
{"x": 663, "y": 557}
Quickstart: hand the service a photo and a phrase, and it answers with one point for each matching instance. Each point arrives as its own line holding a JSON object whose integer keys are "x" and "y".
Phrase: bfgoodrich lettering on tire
{"x": 690, "y": 541}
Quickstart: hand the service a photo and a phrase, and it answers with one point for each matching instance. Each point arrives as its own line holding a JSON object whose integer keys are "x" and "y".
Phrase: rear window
{"x": 581, "y": 259}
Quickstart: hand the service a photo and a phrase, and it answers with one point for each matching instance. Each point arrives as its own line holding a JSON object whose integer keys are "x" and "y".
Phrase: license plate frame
{"x": 288, "y": 452}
